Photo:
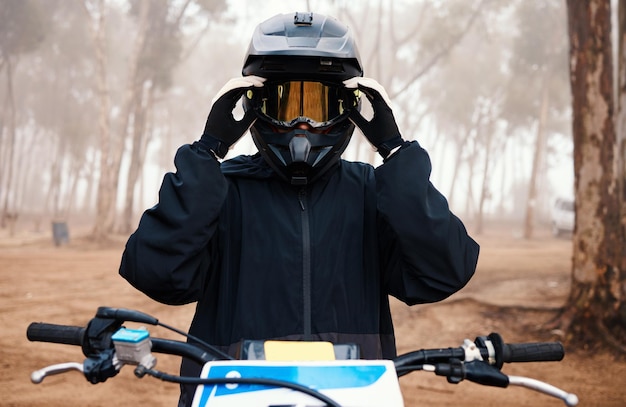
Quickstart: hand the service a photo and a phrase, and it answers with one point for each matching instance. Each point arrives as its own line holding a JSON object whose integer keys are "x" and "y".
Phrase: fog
{"x": 482, "y": 85}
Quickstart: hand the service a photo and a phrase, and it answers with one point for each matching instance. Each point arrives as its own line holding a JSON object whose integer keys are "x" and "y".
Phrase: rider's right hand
{"x": 222, "y": 130}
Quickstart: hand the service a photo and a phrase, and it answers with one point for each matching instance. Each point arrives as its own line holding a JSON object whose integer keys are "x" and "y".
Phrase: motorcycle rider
{"x": 294, "y": 242}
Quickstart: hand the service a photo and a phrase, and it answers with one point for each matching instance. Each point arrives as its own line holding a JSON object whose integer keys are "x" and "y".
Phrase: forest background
{"x": 518, "y": 103}
{"x": 97, "y": 96}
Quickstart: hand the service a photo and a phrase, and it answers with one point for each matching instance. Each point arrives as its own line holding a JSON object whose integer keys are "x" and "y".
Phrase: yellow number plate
{"x": 296, "y": 350}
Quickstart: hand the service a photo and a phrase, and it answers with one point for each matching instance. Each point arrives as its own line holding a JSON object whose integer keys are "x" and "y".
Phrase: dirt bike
{"x": 286, "y": 373}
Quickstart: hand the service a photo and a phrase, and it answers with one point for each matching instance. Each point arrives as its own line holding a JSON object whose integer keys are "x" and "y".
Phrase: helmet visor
{"x": 317, "y": 103}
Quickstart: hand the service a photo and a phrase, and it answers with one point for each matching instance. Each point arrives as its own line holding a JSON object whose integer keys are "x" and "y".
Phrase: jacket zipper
{"x": 306, "y": 264}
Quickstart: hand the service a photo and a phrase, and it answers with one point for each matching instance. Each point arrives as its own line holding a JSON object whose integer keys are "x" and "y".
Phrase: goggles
{"x": 316, "y": 103}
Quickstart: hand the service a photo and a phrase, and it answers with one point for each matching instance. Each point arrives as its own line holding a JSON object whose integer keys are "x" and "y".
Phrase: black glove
{"x": 222, "y": 130}
{"x": 382, "y": 131}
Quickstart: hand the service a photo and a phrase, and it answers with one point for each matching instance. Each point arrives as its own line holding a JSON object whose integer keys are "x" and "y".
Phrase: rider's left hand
{"x": 381, "y": 131}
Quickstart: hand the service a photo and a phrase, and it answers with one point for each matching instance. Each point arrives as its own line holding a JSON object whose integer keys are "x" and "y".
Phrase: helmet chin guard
{"x": 301, "y": 156}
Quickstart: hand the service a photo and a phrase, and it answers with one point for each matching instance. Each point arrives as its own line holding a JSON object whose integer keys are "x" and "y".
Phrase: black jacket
{"x": 265, "y": 259}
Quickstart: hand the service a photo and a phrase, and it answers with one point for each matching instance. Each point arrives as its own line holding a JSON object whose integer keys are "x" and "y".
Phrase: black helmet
{"x": 305, "y": 58}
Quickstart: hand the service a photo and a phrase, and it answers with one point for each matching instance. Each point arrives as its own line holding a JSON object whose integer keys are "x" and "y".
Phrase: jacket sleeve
{"x": 168, "y": 256}
{"x": 426, "y": 253}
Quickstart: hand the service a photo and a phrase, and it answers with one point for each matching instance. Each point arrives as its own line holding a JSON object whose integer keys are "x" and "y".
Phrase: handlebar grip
{"x": 64, "y": 334}
{"x": 533, "y": 352}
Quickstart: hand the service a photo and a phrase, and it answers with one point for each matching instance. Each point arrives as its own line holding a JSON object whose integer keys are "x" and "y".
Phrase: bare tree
{"x": 538, "y": 85}
{"x": 56, "y": 98}
{"x": 489, "y": 139}
{"x": 104, "y": 201}
{"x": 131, "y": 100}
{"x": 466, "y": 104}
{"x": 538, "y": 155}
{"x": 141, "y": 136}
{"x": 158, "y": 51}
{"x": 22, "y": 28}
{"x": 401, "y": 43}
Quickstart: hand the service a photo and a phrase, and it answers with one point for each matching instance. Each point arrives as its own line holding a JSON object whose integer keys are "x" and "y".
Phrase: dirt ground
{"x": 518, "y": 286}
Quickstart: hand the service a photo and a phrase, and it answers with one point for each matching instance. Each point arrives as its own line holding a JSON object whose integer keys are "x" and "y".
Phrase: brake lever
{"x": 481, "y": 372}
{"x": 570, "y": 399}
{"x": 96, "y": 369}
{"x": 38, "y": 375}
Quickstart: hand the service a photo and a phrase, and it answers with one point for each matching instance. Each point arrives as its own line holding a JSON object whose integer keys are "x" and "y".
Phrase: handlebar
{"x": 533, "y": 352}
{"x": 75, "y": 335}
{"x": 502, "y": 352}
{"x": 62, "y": 334}
{"x": 523, "y": 352}
{"x": 491, "y": 348}
{"x": 479, "y": 361}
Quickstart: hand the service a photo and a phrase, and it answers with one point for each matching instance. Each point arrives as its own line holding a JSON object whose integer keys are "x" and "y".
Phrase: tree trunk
{"x": 131, "y": 97}
{"x": 485, "y": 193}
{"x": 104, "y": 197}
{"x": 140, "y": 138}
{"x": 621, "y": 119}
{"x": 88, "y": 203}
{"x": 540, "y": 145}
{"x": 5, "y": 148}
{"x": 471, "y": 165}
{"x": 596, "y": 308}
{"x": 458, "y": 160}
{"x": 31, "y": 164}
{"x": 53, "y": 199}
{"x": 7, "y": 206}
{"x": 70, "y": 197}
{"x": 505, "y": 175}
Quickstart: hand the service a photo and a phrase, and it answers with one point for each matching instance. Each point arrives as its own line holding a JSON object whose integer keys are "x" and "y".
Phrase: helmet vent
{"x": 273, "y": 65}
{"x": 303, "y": 19}
{"x": 327, "y": 65}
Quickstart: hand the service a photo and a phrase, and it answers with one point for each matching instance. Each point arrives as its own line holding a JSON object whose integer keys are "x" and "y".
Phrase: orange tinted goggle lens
{"x": 287, "y": 101}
